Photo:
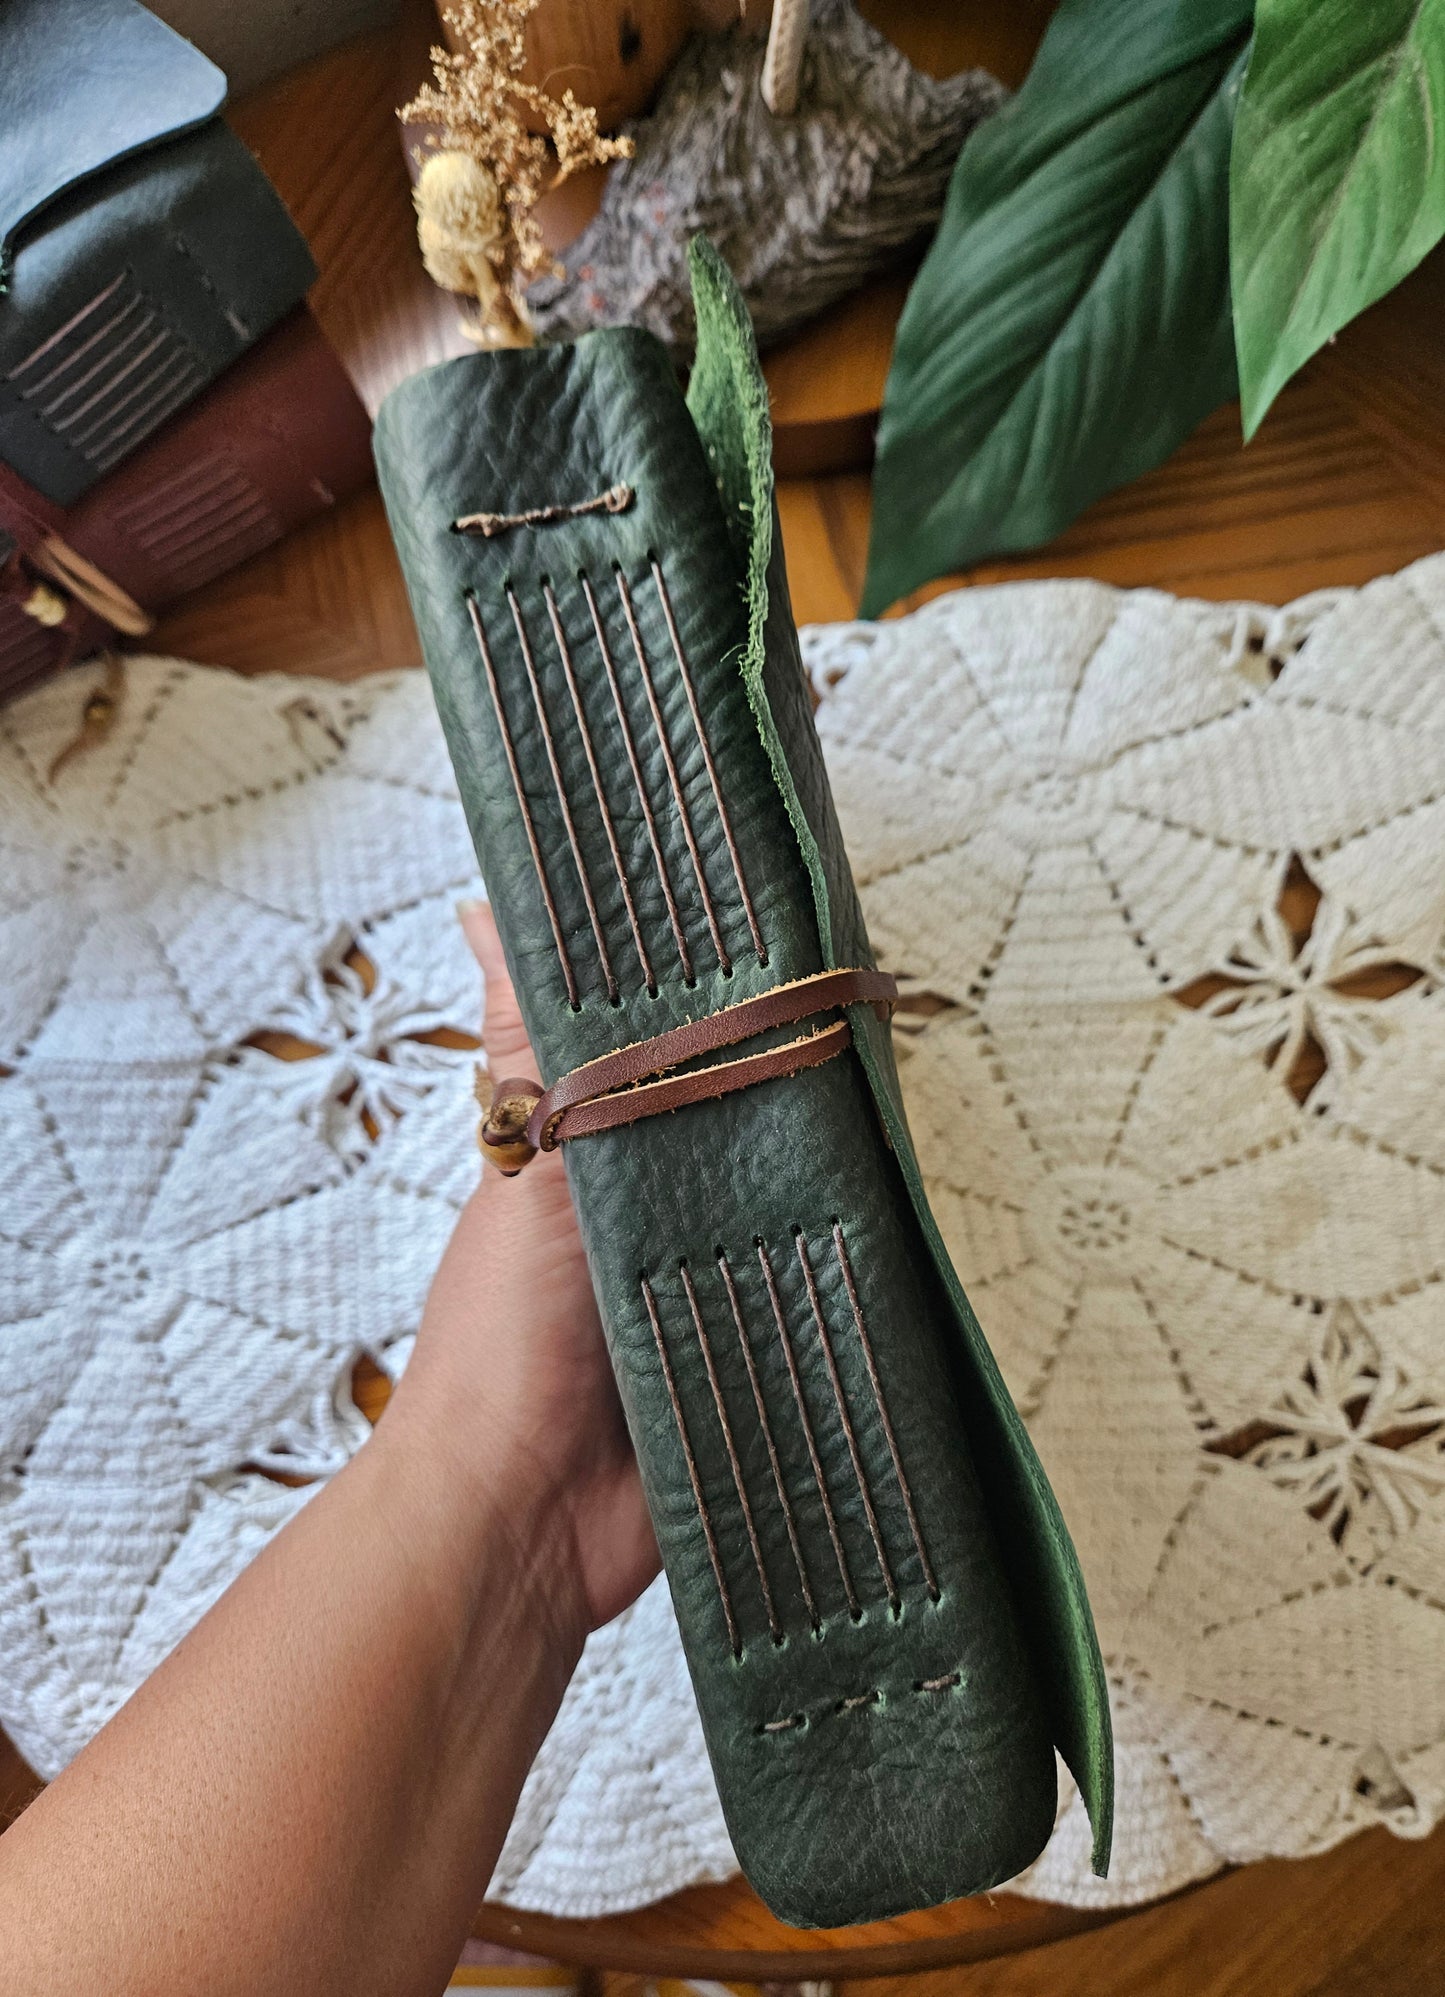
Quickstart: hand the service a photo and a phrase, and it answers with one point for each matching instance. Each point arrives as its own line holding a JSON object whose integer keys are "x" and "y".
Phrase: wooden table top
{"x": 1346, "y": 480}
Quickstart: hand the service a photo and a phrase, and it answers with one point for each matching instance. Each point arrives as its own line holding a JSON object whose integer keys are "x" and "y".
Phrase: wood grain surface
{"x": 1346, "y": 479}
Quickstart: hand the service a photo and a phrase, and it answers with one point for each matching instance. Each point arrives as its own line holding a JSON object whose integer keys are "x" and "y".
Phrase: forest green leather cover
{"x": 881, "y": 1608}
{"x": 142, "y": 249}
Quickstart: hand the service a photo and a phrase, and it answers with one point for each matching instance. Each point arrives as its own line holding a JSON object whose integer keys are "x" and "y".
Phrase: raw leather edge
{"x": 728, "y": 401}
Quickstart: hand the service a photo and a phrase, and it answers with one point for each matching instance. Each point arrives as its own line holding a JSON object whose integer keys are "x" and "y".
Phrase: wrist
{"x": 482, "y": 1508}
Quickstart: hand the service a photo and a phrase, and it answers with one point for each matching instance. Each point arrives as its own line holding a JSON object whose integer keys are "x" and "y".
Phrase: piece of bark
{"x": 803, "y": 208}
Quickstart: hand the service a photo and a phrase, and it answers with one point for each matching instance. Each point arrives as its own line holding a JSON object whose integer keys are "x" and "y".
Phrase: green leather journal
{"x": 142, "y": 249}
{"x": 881, "y": 1608}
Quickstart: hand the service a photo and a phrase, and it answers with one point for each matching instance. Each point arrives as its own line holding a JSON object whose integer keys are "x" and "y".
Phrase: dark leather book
{"x": 278, "y": 439}
{"x": 883, "y": 1614}
{"x": 142, "y": 249}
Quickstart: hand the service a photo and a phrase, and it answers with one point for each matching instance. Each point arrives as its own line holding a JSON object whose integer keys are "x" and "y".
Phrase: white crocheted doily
{"x": 1168, "y": 880}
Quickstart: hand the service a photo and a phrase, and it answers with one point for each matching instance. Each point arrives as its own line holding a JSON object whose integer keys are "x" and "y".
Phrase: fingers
{"x": 504, "y": 1038}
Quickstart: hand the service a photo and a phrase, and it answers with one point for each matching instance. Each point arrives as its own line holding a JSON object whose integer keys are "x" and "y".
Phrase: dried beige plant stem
{"x": 485, "y": 171}
{"x": 783, "y": 63}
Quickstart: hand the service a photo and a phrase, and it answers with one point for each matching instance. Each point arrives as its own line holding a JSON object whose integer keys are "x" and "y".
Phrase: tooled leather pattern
{"x": 878, "y": 1741}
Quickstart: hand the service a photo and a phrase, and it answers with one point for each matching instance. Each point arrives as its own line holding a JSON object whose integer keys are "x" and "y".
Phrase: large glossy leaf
{"x": 1070, "y": 324}
{"x": 1337, "y": 187}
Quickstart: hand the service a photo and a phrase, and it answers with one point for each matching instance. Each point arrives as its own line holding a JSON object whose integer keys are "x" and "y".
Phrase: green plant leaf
{"x": 1337, "y": 186}
{"x": 1070, "y": 324}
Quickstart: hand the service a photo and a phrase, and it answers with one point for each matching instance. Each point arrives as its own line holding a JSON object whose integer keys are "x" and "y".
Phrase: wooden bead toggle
{"x": 502, "y": 1133}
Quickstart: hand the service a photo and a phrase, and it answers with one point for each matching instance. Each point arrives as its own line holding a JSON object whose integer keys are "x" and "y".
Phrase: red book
{"x": 280, "y": 437}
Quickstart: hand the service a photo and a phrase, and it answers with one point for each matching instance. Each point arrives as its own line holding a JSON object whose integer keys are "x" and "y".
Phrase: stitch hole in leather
{"x": 782, "y": 1726}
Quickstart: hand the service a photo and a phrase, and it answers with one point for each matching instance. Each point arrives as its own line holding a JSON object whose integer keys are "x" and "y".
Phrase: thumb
{"x": 504, "y": 1038}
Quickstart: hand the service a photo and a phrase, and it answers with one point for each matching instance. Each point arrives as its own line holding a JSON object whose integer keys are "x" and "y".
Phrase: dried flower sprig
{"x": 479, "y": 188}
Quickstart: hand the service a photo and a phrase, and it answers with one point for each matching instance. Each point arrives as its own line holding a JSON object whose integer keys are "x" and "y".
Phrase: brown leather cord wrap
{"x": 637, "y": 1081}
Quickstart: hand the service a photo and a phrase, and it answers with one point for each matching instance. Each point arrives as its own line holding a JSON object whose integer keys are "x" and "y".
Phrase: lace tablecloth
{"x": 1167, "y": 881}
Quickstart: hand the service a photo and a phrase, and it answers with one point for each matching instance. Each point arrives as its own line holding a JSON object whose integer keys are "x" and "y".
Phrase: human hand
{"x": 511, "y": 1368}
{"x": 310, "y": 1793}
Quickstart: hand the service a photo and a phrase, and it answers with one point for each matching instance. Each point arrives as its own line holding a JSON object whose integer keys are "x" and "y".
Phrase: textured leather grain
{"x": 127, "y": 79}
{"x": 141, "y": 247}
{"x": 883, "y": 1622}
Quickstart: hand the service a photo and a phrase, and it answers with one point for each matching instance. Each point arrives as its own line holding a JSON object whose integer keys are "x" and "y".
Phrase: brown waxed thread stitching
{"x": 185, "y": 553}
{"x": 651, "y": 691}
{"x": 863, "y": 1699}
{"x": 722, "y": 811}
{"x": 78, "y": 353}
{"x": 845, "y": 1264}
{"x": 693, "y": 1477}
{"x": 182, "y": 555}
{"x": 873, "y": 1697}
{"x": 808, "y": 1436}
{"x": 486, "y": 651}
{"x": 108, "y": 387}
{"x": 183, "y": 525}
{"x": 616, "y": 499}
{"x": 609, "y": 666}
{"x": 112, "y": 444}
{"x": 70, "y": 325}
{"x": 774, "y": 1627}
{"x": 767, "y": 1428}
{"x": 174, "y": 368}
{"x": 218, "y": 518}
{"x": 847, "y": 1420}
{"x": 554, "y": 766}
{"x": 107, "y": 359}
{"x": 180, "y": 494}
{"x": 564, "y": 652}
{"x": 112, "y": 374}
